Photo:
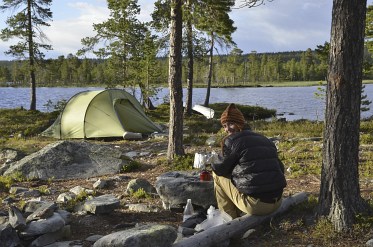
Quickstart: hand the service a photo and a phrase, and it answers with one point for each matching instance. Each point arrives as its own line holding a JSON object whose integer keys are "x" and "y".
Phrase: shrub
{"x": 44, "y": 190}
{"x": 130, "y": 166}
{"x": 7, "y": 181}
{"x": 70, "y": 205}
{"x": 183, "y": 163}
{"x": 251, "y": 113}
{"x": 324, "y": 230}
{"x": 140, "y": 193}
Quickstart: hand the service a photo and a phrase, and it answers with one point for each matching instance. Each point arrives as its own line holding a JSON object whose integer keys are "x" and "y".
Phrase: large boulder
{"x": 7, "y": 156}
{"x": 43, "y": 226}
{"x": 8, "y": 236}
{"x": 174, "y": 188}
{"x": 69, "y": 159}
{"x": 140, "y": 183}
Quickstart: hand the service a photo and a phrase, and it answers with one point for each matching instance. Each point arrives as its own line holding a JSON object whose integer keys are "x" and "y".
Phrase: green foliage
{"x": 58, "y": 106}
{"x": 50, "y": 180}
{"x": 369, "y": 28}
{"x": 130, "y": 166}
{"x": 130, "y": 50}
{"x": 22, "y": 204}
{"x": 182, "y": 163}
{"x": 324, "y": 230}
{"x": 251, "y": 113}
{"x": 363, "y": 225}
{"x": 365, "y": 103}
{"x": 27, "y": 28}
{"x": 44, "y": 190}
{"x": 199, "y": 129}
{"x": 7, "y": 181}
{"x": 140, "y": 193}
{"x": 301, "y": 158}
{"x": 71, "y": 204}
{"x": 366, "y": 138}
{"x": 27, "y": 123}
{"x": 25, "y": 25}
{"x": 94, "y": 72}
{"x": 197, "y": 140}
{"x": 289, "y": 130}
{"x": 366, "y": 130}
{"x": 160, "y": 114}
{"x": 321, "y": 91}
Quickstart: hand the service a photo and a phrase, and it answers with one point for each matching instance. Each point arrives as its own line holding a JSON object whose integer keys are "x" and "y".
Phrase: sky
{"x": 277, "y": 26}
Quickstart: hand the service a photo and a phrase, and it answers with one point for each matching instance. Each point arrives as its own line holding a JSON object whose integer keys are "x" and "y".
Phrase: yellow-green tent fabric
{"x": 101, "y": 113}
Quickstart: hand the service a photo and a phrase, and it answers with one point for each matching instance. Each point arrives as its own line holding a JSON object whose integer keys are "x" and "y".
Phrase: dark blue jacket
{"x": 251, "y": 161}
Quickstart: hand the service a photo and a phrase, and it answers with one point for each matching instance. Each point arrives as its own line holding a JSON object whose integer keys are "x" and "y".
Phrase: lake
{"x": 290, "y": 102}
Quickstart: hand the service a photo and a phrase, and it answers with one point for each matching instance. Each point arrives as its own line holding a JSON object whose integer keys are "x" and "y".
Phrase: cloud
{"x": 67, "y": 29}
{"x": 147, "y": 7}
{"x": 65, "y": 34}
{"x": 284, "y": 25}
{"x": 280, "y": 25}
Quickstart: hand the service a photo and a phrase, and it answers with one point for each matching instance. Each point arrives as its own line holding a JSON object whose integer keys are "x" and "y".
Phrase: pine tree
{"x": 339, "y": 197}
{"x": 124, "y": 36}
{"x": 369, "y": 29}
{"x": 175, "y": 138}
{"x": 213, "y": 19}
{"x": 25, "y": 25}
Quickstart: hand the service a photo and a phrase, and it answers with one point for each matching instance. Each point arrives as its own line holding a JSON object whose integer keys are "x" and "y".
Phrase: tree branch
{"x": 251, "y": 3}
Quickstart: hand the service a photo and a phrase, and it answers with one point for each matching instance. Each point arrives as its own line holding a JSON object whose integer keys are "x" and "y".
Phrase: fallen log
{"x": 237, "y": 227}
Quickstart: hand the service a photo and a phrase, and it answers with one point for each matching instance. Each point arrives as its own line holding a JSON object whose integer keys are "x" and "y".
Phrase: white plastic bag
{"x": 199, "y": 160}
{"x": 215, "y": 217}
{"x": 213, "y": 158}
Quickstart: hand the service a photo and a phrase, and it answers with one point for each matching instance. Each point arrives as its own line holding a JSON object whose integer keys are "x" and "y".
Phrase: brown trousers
{"x": 231, "y": 201}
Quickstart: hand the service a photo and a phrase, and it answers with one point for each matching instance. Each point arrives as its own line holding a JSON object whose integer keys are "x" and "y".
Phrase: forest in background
{"x": 235, "y": 69}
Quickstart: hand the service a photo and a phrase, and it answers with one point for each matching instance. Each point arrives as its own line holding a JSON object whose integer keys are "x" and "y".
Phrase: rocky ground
{"x": 281, "y": 232}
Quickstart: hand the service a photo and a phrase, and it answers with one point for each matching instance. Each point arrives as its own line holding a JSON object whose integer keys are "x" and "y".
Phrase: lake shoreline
{"x": 199, "y": 85}
{"x": 291, "y": 103}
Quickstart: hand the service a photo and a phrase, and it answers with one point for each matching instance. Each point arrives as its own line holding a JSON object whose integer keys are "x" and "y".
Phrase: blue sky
{"x": 281, "y": 25}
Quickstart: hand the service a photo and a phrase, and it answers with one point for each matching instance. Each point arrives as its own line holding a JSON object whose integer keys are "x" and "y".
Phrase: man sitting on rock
{"x": 250, "y": 177}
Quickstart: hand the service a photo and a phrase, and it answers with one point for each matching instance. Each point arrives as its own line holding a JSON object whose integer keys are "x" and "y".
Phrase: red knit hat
{"x": 234, "y": 115}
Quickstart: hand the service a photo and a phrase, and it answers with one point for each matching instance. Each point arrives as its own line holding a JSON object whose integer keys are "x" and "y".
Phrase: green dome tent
{"x": 102, "y": 113}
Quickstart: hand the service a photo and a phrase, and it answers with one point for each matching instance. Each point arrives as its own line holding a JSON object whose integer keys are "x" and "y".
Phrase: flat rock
{"x": 174, "y": 188}
{"x": 148, "y": 235}
{"x": 102, "y": 204}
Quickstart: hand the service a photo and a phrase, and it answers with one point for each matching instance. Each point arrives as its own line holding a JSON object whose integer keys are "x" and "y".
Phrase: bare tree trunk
{"x": 175, "y": 140}
{"x": 209, "y": 77}
{"x": 31, "y": 57}
{"x": 339, "y": 197}
{"x": 147, "y": 103}
{"x": 189, "y": 99}
{"x": 236, "y": 228}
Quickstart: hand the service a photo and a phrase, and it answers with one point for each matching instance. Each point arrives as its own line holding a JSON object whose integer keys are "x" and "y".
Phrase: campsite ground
{"x": 298, "y": 227}
{"x": 298, "y": 149}
{"x": 83, "y": 226}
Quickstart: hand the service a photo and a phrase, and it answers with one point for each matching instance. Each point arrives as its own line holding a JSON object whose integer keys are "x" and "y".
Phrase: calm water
{"x": 293, "y": 102}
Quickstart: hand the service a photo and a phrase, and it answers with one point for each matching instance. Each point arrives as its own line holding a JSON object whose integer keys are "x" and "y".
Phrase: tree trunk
{"x": 209, "y": 77}
{"x": 31, "y": 57}
{"x": 189, "y": 99}
{"x": 339, "y": 197}
{"x": 175, "y": 140}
